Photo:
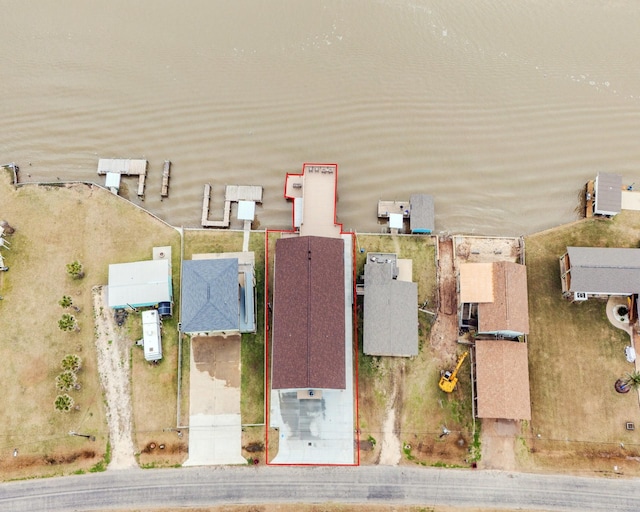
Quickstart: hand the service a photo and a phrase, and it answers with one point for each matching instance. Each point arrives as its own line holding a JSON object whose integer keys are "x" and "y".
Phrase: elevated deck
{"x": 387, "y": 207}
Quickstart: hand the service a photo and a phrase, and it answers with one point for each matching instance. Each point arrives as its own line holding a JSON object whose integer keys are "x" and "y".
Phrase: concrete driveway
{"x": 215, "y": 432}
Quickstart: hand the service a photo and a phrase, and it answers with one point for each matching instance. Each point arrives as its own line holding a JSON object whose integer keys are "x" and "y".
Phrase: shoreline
{"x": 105, "y": 201}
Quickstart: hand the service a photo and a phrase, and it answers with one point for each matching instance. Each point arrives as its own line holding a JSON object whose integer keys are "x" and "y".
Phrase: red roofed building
{"x": 308, "y": 338}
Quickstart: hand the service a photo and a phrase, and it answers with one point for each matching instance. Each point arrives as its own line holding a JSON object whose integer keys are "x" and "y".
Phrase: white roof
{"x": 140, "y": 283}
{"x": 246, "y": 210}
{"x": 151, "y": 335}
{"x": 395, "y": 220}
{"x": 112, "y": 180}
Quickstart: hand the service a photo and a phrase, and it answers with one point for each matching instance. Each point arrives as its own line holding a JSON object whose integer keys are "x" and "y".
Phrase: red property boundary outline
{"x": 267, "y": 389}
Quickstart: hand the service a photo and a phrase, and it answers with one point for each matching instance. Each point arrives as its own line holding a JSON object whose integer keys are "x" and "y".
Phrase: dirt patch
{"x": 113, "y": 365}
{"x": 444, "y": 333}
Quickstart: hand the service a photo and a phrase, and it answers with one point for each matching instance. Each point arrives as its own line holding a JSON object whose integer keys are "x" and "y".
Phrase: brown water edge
{"x": 502, "y": 111}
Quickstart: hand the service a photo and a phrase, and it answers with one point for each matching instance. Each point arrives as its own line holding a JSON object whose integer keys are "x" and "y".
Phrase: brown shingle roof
{"x": 502, "y": 380}
{"x": 509, "y": 310}
{"x": 308, "y": 341}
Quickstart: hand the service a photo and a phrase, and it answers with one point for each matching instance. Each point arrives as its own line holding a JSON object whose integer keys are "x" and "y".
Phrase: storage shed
{"x": 139, "y": 284}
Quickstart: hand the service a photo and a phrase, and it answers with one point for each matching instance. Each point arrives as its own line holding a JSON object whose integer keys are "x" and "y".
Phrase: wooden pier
{"x": 165, "y": 178}
{"x": 387, "y": 207}
{"x": 588, "y": 208}
{"x": 126, "y": 167}
{"x": 233, "y": 194}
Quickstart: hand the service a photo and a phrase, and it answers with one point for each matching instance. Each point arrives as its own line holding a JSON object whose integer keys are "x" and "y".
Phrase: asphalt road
{"x": 377, "y": 484}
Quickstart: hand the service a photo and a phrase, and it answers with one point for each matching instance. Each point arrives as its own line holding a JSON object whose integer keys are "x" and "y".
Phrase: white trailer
{"x": 152, "y": 339}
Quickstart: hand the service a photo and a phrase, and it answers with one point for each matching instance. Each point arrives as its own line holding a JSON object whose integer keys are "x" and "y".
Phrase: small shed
{"x": 395, "y": 221}
{"x": 112, "y": 182}
{"x": 422, "y": 213}
{"x": 151, "y": 337}
{"x": 608, "y": 194}
{"x": 246, "y": 210}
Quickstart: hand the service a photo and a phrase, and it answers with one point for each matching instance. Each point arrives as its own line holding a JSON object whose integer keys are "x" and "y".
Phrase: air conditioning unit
{"x": 580, "y": 296}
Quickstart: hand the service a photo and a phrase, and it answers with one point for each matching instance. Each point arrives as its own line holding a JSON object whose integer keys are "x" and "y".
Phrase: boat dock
{"x": 233, "y": 194}
{"x": 164, "y": 192}
{"x": 126, "y": 167}
{"x": 418, "y": 210}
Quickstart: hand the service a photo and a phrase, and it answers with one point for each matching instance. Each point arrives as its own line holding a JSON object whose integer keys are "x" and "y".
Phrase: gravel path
{"x": 113, "y": 365}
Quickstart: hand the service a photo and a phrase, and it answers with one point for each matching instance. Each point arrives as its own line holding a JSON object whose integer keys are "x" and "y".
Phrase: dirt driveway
{"x": 114, "y": 350}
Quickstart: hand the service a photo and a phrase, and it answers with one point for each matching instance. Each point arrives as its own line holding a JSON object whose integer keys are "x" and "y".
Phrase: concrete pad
{"x": 215, "y": 431}
{"x": 630, "y": 200}
{"x": 215, "y": 439}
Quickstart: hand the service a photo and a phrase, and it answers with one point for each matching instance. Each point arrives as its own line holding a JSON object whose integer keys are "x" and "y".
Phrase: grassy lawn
{"x": 575, "y": 356}
{"x": 421, "y": 408}
{"x": 54, "y": 226}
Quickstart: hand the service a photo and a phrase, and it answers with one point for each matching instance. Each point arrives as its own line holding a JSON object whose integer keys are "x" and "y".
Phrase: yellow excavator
{"x": 448, "y": 380}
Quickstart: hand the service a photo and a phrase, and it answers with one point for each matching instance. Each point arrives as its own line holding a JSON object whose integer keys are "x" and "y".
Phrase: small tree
{"x": 71, "y": 362}
{"x": 68, "y": 323}
{"x": 632, "y": 380}
{"x": 75, "y": 270}
{"x": 66, "y": 381}
{"x": 65, "y": 301}
{"x": 63, "y": 403}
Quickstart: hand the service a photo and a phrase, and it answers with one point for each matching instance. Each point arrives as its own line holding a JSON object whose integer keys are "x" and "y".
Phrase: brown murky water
{"x": 500, "y": 109}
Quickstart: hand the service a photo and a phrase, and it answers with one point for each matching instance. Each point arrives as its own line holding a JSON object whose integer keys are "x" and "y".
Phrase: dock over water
{"x": 233, "y": 194}
{"x": 126, "y": 167}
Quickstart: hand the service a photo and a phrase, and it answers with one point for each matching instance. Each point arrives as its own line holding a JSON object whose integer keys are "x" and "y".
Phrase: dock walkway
{"x": 166, "y": 170}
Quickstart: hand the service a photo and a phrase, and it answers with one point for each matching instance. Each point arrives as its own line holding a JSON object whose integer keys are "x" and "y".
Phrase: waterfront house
{"x": 210, "y": 296}
{"x": 311, "y": 399}
{"x": 493, "y": 299}
{"x": 390, "y": 307}
{"x": 599, "y": 272}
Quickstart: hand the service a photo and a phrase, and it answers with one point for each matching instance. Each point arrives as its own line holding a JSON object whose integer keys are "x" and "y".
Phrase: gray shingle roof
{"x": 422, "y": 213}
{"x": 608, "y": 194}
{"x": 390, "y": 311}
{"x": 209, "y": 300}
{"x": 604, "y": 270}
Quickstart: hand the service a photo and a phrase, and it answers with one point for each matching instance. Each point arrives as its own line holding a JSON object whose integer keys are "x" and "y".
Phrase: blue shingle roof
{"x": 209, "y": 299}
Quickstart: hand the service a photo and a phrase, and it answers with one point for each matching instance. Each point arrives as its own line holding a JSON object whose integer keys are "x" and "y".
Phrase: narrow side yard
{"x": 402, "y": 410}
